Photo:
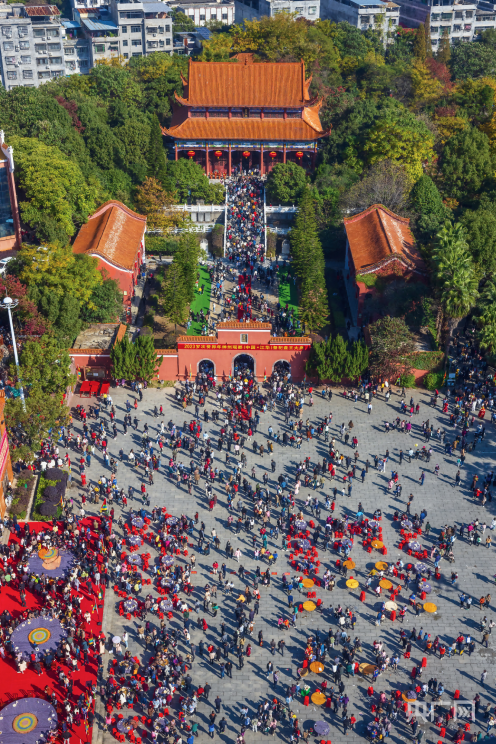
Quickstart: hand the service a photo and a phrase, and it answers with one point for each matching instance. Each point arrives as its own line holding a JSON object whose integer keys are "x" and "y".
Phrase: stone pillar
{"x": 207, "y": 164}
{"x": 284, "y": 153}
{"x": 229, "y": 161}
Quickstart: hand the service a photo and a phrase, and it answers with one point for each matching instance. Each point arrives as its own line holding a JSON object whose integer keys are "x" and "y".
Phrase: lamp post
{"x": 9, "y": 304}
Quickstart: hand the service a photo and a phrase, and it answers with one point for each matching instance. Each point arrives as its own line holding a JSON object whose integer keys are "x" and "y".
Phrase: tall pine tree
{"x": 419, "y": 48}
{"x": 174, "y": 299}
{"x": 155, "y": 156}
{"x": 427, "y": 32}
{"x": 444, "y": 54}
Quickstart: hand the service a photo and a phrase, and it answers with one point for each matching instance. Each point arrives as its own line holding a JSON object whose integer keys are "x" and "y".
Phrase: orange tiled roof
{"x": 197, "y": 339}
{"x": 306, "y": 129}
{"x": 41, "y": 10}
{"x": 376, "y": 235}
{"x": 233, "y": 324}
{"x": 242, "y": 82}
{"x": 114, "y": 232}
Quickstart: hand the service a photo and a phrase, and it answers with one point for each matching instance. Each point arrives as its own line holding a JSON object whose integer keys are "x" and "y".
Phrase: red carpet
{"x": 29, "y": 684}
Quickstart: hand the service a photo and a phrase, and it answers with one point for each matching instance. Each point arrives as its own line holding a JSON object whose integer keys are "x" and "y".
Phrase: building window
{"x": 68, "y": 51}
{"x": 27, "y": 74}
{"x": 99, "y": 48}
{"x": 218, "y": 113}
{"x": 167, "y": 29}
{"x": 365, "y": 19}
{"x": 135, "y": 29}
{"x": 198, "y": 113}
{"x": 446, "y": 16}
{"x": 236, "y": 113}
{"x": 161, "y": 43}
{"x": 273, "y": 114}
{"x": 224, "y": 16}
{"x": 124, "y": 29}
{"x": 26, "y": 59}
{"x": 52, "y": 33}
{"x": 7, "y": 31}
{"x": 8, "y": 46}
{"x": 167, "y": 41}
{"x": 57, "y": 73}
{"x": 457, "y": 28}
{"x": 38, "y": 32}
{"x": 22, "y": 31}
{"x": 11, "y": 75}
{"x": 255, "y": 113}
{"x": 40, "y": 48}
{"x": 467, "y": 27}
{"x": 24, "y": 45}
{"x": 10, "y": 60}
{"x": 202, "y": 16}
{"x": 114, "y": 48}
{"x": 84, "y": 63}
{"x": 434, "y": 16}
{"x": 299, "y": 10}
{"x": 136, "y": 42}
{"x": 469, "y": 13}
{"x": 152, "y": 30}
{"x": 137, "y": 54}
{"x": 434, "y": 29}
{"x": 458, "y": 14}
{"x": 43, "y": 75}
{"x": 124, "y": 43}
{"x": 152, "y": 44}
{"x": 244, "y": 338}
{"x": 312, "y": 10}
{"x": 54, "y": 47}
{"x": 41, "y": 61}
{"x": 293, "y": 114}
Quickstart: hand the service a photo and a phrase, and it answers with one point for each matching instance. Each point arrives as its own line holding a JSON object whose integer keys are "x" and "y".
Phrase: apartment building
{"x": 251, "y": 10}
{"x": 461, "y": 20}
{"x": 204, "y": 12}
{"x": 126, "y": 29}
{"x": 363, "y": 14}
{"x": 31, "y": 45}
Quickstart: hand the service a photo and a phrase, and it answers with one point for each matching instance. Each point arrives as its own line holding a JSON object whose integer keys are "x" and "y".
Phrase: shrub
{"x": 55, "y": 474}
{"x": 149, "y": 320}
{"x": 271, "y": 244}
{"x": 47, "y": 509}
{"x": 407, "y": 380}
{"x": 434, "y": 380}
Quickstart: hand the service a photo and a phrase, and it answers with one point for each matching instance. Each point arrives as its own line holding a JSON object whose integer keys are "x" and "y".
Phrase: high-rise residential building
{"x": 204, "y": 12}
{"x": 250, "y": 10}
{"x": 364, "y": 14}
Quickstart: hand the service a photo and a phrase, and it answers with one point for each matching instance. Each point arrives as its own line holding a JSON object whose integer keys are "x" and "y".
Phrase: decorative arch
{"x": 284, "y": 365}
{"x": 205, "y": 363}
{"x": 244, "y": 359}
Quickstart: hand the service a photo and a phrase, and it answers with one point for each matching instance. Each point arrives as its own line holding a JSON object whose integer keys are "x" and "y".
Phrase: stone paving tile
{"x": 444, "y": 502}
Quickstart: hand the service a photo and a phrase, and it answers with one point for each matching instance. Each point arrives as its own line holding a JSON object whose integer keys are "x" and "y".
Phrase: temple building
{"x": 243, "y": 114}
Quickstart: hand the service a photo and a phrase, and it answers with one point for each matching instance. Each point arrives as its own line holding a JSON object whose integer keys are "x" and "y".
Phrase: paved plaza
{"x": 445, "y": 505}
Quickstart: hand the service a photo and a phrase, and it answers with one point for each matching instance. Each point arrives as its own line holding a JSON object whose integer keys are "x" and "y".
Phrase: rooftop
{"x": 99, "y": 25}
{"x": 100, "y": 336}
{"x": 113, "y": 232}
{"x": 243, "y": 82}
{"x": 376, "y": 235}
{"x": 41, "y": 10}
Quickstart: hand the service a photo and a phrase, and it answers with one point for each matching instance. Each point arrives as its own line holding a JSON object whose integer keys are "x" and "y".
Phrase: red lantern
{"x": 246, "y": 154}
{"x": 218, "y": 153}
{"x": 273, "y": 154}
{"x": 191, "y": 153}
{"x": 299, "y": 154}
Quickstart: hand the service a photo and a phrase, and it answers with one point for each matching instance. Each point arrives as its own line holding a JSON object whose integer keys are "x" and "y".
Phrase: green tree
{"x": 44, "y": 365}
{"x": 392, "y": 346}
{"x": 182, "y": 22}
{"x": 455, "y": 275}
{"x": 305, "y": 244}
{"x": 466, "y": 163}
{"x": 174, "y": 297}
{"x": 329, "y": 358}
{"x": 123, "y": 360}
{"x": 190, "y": 182}
{"x": 487, "y": 330}
{"x": 480, "y": 229}
{"x": 444, "y": 53}
{"x": 313, "y": 308}
{"x": 473, "y": 60}
{"x": 105, "y": 304}
{"x": 53, "y": 185}
{"x": 427, "y": 33}
{"x": 61, "y": 310}
{"x": 42, "y": 414}
{"x": 285, "y": 183}
{"x": 357, "y": 361}
{"x": 187, "y": 257}
{"x": 419, "y": 46}
{"x": 60, "y": 270}
{"x": 157, "y": 161}
{"x": 428, "y": 204}
{"x": 147, "y": 362}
